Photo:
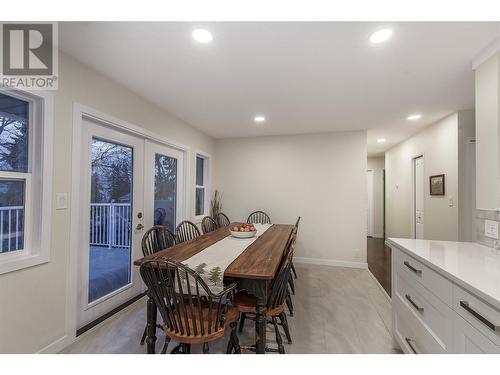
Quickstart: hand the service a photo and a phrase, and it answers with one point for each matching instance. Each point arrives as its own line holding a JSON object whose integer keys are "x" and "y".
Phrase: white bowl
{"x": 243, "y": 234}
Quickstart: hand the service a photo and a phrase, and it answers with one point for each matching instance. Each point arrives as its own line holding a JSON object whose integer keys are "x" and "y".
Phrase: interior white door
{"x": 111, "y": 220}
{"x": 418, "y": 204}
{"x": 369, "y": 216}
{"x": 164, "y": 186}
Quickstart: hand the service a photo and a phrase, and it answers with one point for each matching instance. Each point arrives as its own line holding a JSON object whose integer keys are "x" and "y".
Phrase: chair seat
{"x": 247, "y": 303}
{"x": 232, "y": 315}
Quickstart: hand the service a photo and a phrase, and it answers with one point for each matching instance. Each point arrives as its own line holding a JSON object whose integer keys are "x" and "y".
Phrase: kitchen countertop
{"x": 473, "y": 266}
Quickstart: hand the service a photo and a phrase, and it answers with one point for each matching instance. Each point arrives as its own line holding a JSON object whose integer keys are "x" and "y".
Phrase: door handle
{"x": 139, "y": 226}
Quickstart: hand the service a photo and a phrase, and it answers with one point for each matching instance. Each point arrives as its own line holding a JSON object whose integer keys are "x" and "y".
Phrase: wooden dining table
{"x": 252, "y": 271}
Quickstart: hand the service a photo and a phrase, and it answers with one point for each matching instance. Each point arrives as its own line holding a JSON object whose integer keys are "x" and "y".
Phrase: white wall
{"x": 487, "y": 134}
{"x": 32, "y": 307}
{"x": 321, "y": 177}
{"x": 439, "y": 145}
{"x": 466, "y": 208}
{"x": 377, "y": 165}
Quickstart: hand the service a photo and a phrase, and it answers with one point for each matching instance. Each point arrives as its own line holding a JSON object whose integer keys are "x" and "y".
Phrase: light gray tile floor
{"x": 337, "y": 310}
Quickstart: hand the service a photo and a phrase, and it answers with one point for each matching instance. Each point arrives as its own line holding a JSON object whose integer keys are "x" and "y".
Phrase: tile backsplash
{"x": 481, "y": 216}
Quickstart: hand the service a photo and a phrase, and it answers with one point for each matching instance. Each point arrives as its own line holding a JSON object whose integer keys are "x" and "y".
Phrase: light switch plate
{"x": 491, "y": 229}
{"x": 61, "y": 201}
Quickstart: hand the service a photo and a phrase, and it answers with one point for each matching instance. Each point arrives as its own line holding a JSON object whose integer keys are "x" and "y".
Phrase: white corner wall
{"x": 33, "y": 300}
{"x": 320, "y": 177}
{"x": 488, "y": 134}
{"x": 466, "y": 178}
{"x": 438, "y": 144}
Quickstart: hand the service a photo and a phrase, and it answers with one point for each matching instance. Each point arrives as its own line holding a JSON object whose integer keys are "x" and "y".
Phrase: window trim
{"x": 38, "y": 189}
{"x": 206, "y": 185}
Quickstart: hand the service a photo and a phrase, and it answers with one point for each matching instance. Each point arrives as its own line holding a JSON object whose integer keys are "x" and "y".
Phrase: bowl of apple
{"x": 243, "y": 231}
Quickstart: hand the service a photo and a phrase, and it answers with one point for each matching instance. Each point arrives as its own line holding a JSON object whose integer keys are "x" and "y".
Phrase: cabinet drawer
{"x": 416, "y": 271}
{"x": 482, "y": 316}
{"x": 411, "y": 334}
{"x": 427, "y": 308}
{"x": 469, "y": 340}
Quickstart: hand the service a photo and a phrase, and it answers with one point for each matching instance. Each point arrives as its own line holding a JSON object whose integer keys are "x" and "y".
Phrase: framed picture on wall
{"x": 436, "y": 184}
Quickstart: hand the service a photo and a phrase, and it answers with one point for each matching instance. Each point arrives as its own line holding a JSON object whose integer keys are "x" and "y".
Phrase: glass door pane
{"x": 165, "y": 191}
{"x": 110, "y": 218}
{"x": 164, "y": 186}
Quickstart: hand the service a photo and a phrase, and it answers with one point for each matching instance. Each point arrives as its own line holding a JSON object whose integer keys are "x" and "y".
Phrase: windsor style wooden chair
{"x": 208, "y": 225}
{"x": 185, "y": 231}
{"x": 157, "y": 238}
{"x": 222, "y": 220}
{"x": 293, "y": 267}
{"x": 191, "y": 312}
{"x": 258, "y": 217}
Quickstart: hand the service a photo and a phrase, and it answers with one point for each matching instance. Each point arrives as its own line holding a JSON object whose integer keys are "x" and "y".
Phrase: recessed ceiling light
{"x": 380, "y": 36}
{"x": 259, "y": 119}
{"x": 414, "y": 117}
{"x": 381, "y": 140}
{"x": 202, "y": 36}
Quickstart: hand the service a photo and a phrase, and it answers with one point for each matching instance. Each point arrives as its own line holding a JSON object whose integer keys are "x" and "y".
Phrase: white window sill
{"x": 14, "y": 262}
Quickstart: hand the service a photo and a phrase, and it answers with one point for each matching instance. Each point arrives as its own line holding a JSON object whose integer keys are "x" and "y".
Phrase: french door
{"x": 128, "y": 185}
{"x": 164, "y": 185}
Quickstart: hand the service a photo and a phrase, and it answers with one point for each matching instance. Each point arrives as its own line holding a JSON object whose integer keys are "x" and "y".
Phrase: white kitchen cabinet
{"x": 468, "y": 340}
{"x": 445, "y": 297}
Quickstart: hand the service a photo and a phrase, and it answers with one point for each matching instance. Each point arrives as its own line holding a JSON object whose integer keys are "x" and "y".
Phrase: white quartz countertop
{"x": 470, "y": 265}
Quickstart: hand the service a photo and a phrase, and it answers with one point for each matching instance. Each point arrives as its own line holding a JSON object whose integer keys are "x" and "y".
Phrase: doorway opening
{"x": 378, "y": 255}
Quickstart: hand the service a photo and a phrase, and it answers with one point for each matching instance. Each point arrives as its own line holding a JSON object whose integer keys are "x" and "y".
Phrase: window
{"x": 23, "y": 118}
{"x": 201, "y": 200}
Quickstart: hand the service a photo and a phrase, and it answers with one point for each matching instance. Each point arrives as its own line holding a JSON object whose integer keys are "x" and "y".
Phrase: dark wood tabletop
{"x": 258, "y": 261}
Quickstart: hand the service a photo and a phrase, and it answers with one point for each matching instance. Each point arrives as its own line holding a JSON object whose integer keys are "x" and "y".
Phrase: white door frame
{"x": 79, "y": 113}
{"x": 412, "y": 212}
{"x": 470, "y": 199}
{"x": 371, "y": 215}
{"x": 88, "y": 312}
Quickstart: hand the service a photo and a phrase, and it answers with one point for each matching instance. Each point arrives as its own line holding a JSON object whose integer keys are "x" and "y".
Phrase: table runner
{"x": 211, "y": 263}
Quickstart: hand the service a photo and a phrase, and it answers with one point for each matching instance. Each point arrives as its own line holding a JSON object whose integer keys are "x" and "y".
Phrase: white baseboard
{"x": 379, "y": 285}
{"x": 56, "y": 346}
{"x": 331, "y": 262}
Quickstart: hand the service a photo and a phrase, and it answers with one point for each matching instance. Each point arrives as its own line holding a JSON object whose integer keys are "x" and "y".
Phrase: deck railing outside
{"x": 11, "y": 228}
{"x": 110, "y": 224}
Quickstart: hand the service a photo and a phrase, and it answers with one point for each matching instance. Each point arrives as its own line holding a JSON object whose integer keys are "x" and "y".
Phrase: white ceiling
{"x": 304, "y": 77}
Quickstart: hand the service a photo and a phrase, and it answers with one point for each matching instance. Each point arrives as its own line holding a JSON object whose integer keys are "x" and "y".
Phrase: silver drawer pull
{"x": 407, "y": 264}
{"x": 419, "y": 308}
{"x": 481, "y": 318}
{"x": 409, "y": 342}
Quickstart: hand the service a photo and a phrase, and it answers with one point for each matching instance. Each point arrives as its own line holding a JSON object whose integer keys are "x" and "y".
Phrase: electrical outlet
{"x": 61, "y": 201}
{"x": 491, "y": 229}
